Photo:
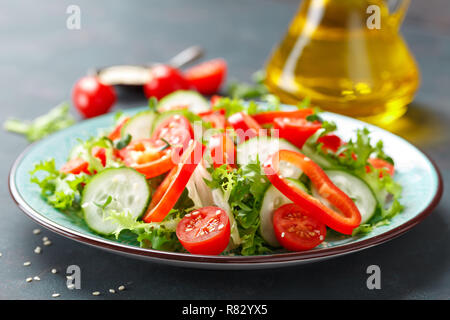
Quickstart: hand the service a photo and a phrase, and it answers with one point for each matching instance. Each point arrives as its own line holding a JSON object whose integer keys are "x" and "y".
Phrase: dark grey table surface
{"x": 40, "y": 60}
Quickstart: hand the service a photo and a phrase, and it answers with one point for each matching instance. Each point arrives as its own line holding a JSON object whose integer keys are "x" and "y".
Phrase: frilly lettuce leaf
{"x": 244, "y": 188}
{"x": 62, "y": 191}
{"x": 160, "y": 236}
{"x": 84, "y": 151}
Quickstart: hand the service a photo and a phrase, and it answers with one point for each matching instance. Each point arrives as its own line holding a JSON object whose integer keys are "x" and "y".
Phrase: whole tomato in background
{"x": 207, "y": 77}
{"x": 164, "y": 79}
{"x": 92, "y": 98}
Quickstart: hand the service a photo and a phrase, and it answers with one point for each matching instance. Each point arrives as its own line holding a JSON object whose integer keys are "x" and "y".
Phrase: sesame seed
{"x": 218, "y": 212}
{"x": 47, "y": 243}
{"x": 29, "y": 279}
{"x": 112, "y": 291}
{"x": 1, "y": 254}
{"x": 44, "y": 239}
{"x": 283, "y": 234}
{"x": 36, "y": 231}
{"x": 54, "y": 271}
{"x": 96, "y": 293}
{"x": 26, "y": 264}
{"x": 37, "y": 278}
{"x": 71, "y": 286}
{"x": 55, "y": 295}
{"x": 38, "y": 250}
{"x": 121, "y": 288}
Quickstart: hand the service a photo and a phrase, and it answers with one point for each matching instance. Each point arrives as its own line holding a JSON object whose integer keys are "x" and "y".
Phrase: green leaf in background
{"x": 255, "y": 90}
{"x": 58, "y": 118}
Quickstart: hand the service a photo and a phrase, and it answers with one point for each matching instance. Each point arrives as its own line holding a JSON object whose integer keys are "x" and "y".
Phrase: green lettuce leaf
{"x": 160, "y": 236}
{"x": 62, "y": 191}
{"x": 244, "y": 189}
{"x": 58, "y": 118}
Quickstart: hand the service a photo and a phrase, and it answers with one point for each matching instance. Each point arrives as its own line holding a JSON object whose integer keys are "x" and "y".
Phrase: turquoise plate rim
{"x": 223, "y": 262}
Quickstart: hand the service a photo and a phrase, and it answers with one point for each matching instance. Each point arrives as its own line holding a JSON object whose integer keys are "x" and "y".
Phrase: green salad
{"x": 224, "y": 176}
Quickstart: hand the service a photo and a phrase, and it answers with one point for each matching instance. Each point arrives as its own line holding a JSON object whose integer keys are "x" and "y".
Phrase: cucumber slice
{"x": 263, "y": 147}
{"x": 273, "y": 199}
{"x": 316, "y": 157}
{"x": 139, "y": 126}
{"x": 356, "y": 189}
{"x": 192, "y": 99}
{"x": 128, "y": 190}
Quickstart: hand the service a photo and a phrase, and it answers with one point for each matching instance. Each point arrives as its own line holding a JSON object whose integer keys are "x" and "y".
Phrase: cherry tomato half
{"x": 296, "y": 230}
{"x": 207, "y": 77}
{"x": 92, "y": 98}
{"x": 296, "y": 131}
{"x": 176, "y": 130}
{"x": 149, "y": 157}
{"x": 163, "y": 80}
{"x": 204, "y": 231}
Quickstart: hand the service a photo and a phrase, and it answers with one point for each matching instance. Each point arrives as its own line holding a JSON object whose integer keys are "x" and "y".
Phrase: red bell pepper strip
{"x": 115, "y": 134}
{"x": 344, "y": 220}
{"x": 269, "y": 116}
{"x": 168, "y": 192}
{"x": 246, "y": 127}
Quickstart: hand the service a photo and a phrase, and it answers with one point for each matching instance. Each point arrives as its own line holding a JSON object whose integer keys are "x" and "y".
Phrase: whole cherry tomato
{"x": 164, "y": 79}
{"x": 92, "y": 98}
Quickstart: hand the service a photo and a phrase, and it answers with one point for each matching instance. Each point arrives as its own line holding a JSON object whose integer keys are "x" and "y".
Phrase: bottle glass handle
{"x": 397, "y": 10}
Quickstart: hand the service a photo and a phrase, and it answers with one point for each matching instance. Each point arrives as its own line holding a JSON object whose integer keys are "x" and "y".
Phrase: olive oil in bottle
{"x": 330, "y": 55}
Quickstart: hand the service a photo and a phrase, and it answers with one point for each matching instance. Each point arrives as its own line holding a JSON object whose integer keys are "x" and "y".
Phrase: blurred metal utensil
{"x": 138, "y": 75}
